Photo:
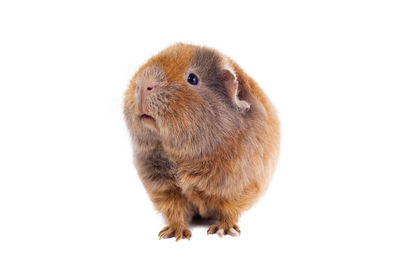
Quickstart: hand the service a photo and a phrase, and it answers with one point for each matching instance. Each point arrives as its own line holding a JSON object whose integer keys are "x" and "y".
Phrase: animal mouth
{"x": 146, "y": 118}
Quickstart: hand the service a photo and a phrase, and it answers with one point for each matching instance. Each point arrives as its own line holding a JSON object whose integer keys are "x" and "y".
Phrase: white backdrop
{"x": 70, "y": 196}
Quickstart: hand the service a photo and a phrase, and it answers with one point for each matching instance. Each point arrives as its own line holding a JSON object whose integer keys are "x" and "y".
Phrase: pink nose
{"x": 143, "y": 93}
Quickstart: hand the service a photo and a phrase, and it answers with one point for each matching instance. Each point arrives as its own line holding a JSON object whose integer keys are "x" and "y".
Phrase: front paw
{"x": 222, "y": 229}
{"x": 179, "y": 232}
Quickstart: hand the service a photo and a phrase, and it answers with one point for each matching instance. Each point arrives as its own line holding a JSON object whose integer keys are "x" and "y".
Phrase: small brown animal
{"x": 205, "y": 137}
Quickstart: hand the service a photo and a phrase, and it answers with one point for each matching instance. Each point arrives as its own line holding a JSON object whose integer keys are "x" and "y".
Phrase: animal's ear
{"x": 232, "y": 87}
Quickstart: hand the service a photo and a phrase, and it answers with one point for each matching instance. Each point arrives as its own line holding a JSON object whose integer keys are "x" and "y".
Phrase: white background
{"x": 69, "y": 193}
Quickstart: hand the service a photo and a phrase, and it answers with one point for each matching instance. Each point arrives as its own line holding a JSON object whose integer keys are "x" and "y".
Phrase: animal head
{"x": 186, "y": 97}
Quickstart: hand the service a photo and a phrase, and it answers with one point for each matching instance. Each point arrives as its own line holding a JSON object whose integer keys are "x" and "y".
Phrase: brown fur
{"x": 212, "y": 148}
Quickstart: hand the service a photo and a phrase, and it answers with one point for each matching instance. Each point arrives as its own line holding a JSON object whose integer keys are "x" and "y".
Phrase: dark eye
{"x": 192, "y": 79}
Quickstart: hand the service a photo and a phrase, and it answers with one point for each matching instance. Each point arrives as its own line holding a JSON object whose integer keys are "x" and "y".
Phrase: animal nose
{"x": 147, "y": 89}
{"x": 143, "y": 92}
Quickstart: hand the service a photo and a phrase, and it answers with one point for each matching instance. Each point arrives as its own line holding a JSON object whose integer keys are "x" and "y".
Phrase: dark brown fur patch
{"x": 208, "y": 64}
{"x": 158, "y": 167}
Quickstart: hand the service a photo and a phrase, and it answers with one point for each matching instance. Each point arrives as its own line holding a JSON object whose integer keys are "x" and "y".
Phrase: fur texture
{"x": 208, "y": 149}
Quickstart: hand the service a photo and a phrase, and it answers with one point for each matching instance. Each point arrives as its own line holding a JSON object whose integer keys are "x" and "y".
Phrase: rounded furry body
{"x": 207, "y": 149}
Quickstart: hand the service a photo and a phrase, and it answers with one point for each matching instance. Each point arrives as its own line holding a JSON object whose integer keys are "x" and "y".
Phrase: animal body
{"x": 205, "y": 137}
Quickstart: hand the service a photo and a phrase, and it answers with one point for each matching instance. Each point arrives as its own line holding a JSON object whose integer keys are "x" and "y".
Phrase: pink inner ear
{"x": 231, "y": 85}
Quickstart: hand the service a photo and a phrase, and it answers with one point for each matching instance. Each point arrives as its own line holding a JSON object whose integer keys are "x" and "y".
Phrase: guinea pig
{"x": 205, "y": 138}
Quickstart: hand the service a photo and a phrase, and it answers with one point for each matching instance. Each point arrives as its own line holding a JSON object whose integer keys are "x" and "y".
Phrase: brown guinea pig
{"x": 205, "y": 137}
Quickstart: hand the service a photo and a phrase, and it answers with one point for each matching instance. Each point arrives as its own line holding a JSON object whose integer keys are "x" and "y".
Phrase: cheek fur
{"x": 181, "y": 108}
{"x": 192, "y": 126}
